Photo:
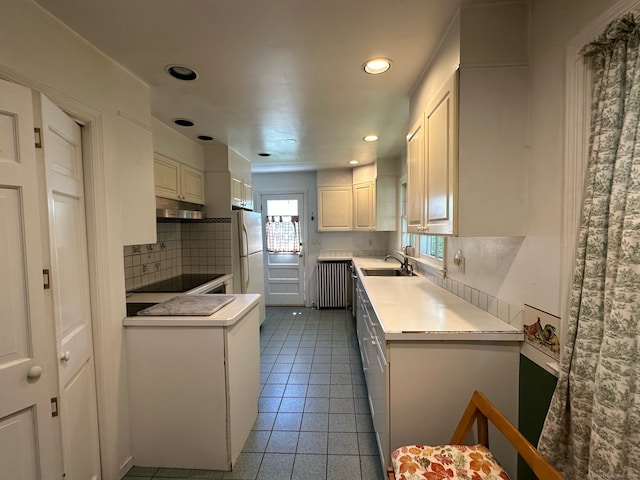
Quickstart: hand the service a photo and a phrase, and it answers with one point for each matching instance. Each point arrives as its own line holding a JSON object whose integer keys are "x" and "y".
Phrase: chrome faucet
{"x": 406, "y": 267}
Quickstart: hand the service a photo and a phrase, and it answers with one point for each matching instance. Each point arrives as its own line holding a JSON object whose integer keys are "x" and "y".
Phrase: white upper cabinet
{"x": 415, "y": 177}
{"x": 364, "y": 206}
{"x": 439, "y": 168}
{"x": 135, "y": 157}
{"x": 241, "y": 192}
{"x": 467, "y": 156}
{"x": 334, "y": 208}
{"x": 228, "y": 180}
{"x": 374, "y": 198}
{"x": 335, "y": 197}
{"x": 358, "y": 199}
{"x": 492, "y": 151}
{"x": 468, "y": 148}
{"x": 177, "y": 181}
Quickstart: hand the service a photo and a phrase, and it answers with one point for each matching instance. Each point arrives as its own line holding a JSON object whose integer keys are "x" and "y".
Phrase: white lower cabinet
{"x": 193, "y": 392}
{"x": 375, "y": 366}
{"x": 418, "y": 389}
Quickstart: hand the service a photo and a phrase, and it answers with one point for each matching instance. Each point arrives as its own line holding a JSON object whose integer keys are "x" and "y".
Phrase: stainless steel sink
{"x": 385, "y": 272}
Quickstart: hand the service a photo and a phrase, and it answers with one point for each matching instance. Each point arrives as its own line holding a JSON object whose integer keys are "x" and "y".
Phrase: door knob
{"x": 34, "y": 373}
{"x": 65, "y": 356}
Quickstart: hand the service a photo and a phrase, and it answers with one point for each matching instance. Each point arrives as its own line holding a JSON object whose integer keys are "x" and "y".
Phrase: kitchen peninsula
{"x": 424, "y": 352}
{"x": 194, "y": 383}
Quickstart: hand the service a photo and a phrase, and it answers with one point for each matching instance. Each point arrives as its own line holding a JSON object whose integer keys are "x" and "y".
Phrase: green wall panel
{"x": 535, "y": 391}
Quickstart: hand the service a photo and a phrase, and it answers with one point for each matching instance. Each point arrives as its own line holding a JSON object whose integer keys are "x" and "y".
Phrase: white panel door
{"x": 285, "y": 283}
{"x": 26, "y": 366}
{"x": 70, "y": 293}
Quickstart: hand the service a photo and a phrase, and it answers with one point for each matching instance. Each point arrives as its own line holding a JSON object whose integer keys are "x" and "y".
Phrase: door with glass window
{"x": 284, "y": 249}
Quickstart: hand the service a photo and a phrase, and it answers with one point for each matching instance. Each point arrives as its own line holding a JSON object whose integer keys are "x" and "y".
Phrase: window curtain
{"x": 592, "y": 429}
{"x": 283, "y": 234}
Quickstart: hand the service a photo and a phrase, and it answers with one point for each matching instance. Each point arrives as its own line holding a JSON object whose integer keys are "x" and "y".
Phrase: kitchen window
{"x": 431, "y": 248}
{"x": 282, "y": 226}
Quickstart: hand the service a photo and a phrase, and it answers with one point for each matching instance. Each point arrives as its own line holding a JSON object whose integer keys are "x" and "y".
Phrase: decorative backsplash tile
{"x": 541, "y": 330}
{"x": 202, "y": 247}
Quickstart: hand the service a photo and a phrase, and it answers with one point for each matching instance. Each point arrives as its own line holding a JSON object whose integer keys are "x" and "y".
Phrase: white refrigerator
{"x": 247, "y": 255}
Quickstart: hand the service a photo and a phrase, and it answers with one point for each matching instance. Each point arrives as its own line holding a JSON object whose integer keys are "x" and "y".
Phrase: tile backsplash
{"x": 202, "y": 247}
{"x": 509, "y": 313}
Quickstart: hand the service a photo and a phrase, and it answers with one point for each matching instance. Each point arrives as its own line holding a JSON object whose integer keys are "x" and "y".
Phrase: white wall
{"x": 333, "y": 243}
{"x": 39, "y": 51}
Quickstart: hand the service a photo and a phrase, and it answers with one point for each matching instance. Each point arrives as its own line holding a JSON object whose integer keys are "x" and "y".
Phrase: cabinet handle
{"x": 65, "y": 356}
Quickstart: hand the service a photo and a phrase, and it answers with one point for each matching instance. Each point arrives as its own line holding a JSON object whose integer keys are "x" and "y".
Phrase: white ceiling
{"x": 278, "y": 76}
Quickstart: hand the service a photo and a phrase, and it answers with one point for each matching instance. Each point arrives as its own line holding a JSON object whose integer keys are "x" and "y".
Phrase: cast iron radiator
{"x": 333, "y": 278}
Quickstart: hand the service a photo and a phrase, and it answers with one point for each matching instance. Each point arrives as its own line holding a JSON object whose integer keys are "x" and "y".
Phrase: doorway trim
{"x": 97, "y": 249}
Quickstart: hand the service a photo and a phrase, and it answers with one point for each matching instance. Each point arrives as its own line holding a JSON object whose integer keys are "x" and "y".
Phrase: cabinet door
{"x": 236, "y": 192}
{"x": 167, "y": 177}
{"x": 440, "y": 174}
{"x": 378, "y": 397}
{"x": 241, "y": 193}
{"x": 247, "y": 195}
{"x": 192, "y": 185}
{"x": 364, "y": 206}
{"x": 334, "y": 208}
{"x": 415, "y": 177}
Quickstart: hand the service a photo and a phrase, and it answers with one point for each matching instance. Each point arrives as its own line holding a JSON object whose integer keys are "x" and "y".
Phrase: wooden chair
{"x": 481, "y": 410}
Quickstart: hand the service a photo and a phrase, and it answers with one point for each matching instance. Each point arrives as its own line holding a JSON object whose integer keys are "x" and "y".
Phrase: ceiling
{"x": 282, "y": 77}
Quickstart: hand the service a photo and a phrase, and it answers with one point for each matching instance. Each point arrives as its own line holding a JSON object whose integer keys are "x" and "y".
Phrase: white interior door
{"x": 285, "y": 283}
{"x": 62, "y": 149}
{"x": 27, "y": 370}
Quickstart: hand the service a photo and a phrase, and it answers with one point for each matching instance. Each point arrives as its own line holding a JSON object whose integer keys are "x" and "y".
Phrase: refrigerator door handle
{"x": 244, "y": 265}
{"x": 244, "y": 244}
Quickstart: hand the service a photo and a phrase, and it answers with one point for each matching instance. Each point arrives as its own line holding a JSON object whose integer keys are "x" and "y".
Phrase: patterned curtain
{"x": 592, "y": 429}
{"x": 283, "y": 233}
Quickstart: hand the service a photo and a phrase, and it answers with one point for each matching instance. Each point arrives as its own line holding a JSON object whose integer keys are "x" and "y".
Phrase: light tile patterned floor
{"x": 313, "y": 420}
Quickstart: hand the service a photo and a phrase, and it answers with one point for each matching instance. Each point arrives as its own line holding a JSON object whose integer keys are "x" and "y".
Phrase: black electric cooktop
{"x": 181, "y": 283}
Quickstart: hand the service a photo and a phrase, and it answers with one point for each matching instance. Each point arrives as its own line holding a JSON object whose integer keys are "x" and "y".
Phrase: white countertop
{"x": 413, "y": 308}
{"x": 226, "y": 316}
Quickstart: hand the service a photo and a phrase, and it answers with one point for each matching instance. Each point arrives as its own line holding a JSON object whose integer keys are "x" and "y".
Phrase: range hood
{"x": 175, "y": 210}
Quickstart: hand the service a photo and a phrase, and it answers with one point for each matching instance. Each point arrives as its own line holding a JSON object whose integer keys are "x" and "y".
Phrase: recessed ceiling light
{"x": 376, "y": 66}
{"x": 263, "y": 154}
{"x": 370, "y": 138}
{"x": 353, "y": 162}
{"x": 183, "y": 122}
{"x": 181, "y": 72}
{"x": 205, "y": 138}
{"x": 290, "y": 140}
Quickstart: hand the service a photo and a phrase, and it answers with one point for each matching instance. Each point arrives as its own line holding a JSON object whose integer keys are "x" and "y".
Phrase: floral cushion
{"x": 417, "y": 462}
